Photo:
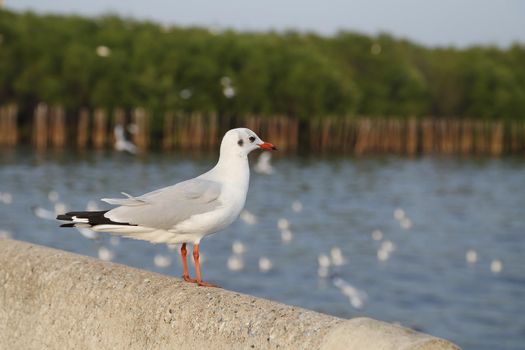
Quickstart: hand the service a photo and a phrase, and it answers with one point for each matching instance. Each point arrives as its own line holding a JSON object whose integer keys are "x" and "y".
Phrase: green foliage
{"x": 113, "y": 62}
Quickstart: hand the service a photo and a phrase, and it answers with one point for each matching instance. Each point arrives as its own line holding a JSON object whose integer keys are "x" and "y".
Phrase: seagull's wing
{"x": 165, "y": 208}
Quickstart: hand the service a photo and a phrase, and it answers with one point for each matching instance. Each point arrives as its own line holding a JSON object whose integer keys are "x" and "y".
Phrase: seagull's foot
{"x": 187, "y": 278}
{"x": 207, "y": 284}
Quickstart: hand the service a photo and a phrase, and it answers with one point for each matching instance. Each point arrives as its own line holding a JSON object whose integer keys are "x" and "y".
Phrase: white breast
{"x": 234, "y": 175}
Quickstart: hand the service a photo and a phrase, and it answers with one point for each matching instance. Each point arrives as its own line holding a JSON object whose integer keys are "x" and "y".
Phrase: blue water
{"x": 454, "y": 205}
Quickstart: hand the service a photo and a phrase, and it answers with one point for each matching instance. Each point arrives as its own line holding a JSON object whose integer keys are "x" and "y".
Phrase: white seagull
{"x": 121, "y": 144}
{"x": 187, "y": 211}
{"x": 263, "y": 165}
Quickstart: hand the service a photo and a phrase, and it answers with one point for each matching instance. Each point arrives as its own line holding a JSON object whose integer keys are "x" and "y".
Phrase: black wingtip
{"x": 91, "y": 218}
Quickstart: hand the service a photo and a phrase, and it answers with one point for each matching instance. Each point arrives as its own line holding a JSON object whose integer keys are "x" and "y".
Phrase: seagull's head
{"x": 242, "y": 141}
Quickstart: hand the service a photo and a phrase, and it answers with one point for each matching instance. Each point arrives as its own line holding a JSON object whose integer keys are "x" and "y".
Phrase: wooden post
{"x": 363, "y": 131}
{"x": 167, "y": 132}
{"x": 412, "y": 136}
{"x": 40, "y": 120}
{"x": 466, "y": 137}
{"x": 195, "y": 132}
{"x": 12, "y": 117}
{"x": 99, "y": 128}
{"x": 8, "y": 125}
{"x": 119, "y": 118}
{"x": 179, "y": 130}
{"x": 140, "y": 119}
{"x": 426, "y": 136}
{"x": 496, "y": 139}
{"x": 212, "y": 131}
{"x": 57, "y": 128}
{"x": 83, "y": 128}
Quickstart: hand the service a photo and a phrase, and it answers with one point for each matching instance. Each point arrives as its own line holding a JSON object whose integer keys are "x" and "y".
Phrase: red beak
{"x": 268, "y": 146}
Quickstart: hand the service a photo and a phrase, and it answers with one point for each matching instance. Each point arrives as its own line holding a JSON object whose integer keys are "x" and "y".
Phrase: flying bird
{"x": 187, "y": 211}
{"x": 121, "y": 144}
{"x": 264, "y": 165}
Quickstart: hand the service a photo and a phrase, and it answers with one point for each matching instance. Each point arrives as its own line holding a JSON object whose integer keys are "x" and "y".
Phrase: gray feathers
{"x": 166, "y": 207}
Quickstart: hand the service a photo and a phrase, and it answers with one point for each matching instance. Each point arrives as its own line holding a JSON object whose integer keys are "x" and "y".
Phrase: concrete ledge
{"x": 54, "y": 299}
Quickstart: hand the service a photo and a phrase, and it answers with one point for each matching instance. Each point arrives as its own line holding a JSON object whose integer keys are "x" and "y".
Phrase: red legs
{"x": 200, "y": 282}
{"x": 185, "y": 273}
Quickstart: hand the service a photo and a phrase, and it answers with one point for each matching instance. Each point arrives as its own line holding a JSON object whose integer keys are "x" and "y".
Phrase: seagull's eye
{"x": 240, "y": 142}
{"x": 252, "y": 138}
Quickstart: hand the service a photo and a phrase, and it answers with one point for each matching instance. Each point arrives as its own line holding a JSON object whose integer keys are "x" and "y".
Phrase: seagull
{"x": 121, "y": 144}
{"x": 186, "y": 212}
{"x": 263, "y": 165}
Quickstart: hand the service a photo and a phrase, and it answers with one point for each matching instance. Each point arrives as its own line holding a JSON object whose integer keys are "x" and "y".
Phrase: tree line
{"x": 114, "y": 62}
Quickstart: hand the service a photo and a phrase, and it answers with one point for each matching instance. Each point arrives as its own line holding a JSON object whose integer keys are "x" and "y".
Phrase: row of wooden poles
{"x": 52, "y": 127}
{"x": 418, "y": 136}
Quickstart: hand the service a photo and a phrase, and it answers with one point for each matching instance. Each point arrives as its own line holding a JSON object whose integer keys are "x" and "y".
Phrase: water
{"x": 454, "y": 205}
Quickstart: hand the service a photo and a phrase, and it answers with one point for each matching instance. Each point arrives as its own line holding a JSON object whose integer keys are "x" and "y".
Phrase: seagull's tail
{"x": 96, "y": 221}
{"x": 88, "y": 219}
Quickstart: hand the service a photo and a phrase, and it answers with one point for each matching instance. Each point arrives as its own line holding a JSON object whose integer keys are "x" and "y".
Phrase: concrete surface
{"x": 58, "y": 300}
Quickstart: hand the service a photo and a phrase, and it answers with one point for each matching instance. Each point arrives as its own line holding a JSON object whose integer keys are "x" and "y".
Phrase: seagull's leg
{"x": 185, "y": 273}
{"x": 200, "y": 282}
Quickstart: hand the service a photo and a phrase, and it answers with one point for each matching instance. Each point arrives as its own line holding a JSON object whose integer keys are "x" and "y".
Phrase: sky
{"x": 457, "y": 23}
